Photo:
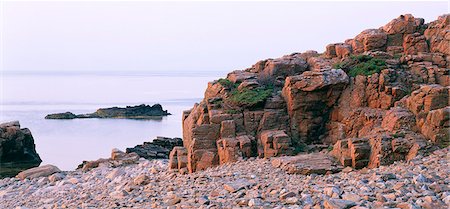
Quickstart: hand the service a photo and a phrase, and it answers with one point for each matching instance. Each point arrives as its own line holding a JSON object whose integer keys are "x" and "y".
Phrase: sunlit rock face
{"x": 379, "y": 97}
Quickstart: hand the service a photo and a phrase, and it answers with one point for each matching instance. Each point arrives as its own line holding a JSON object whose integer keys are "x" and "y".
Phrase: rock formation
{"x": 17, "y": 149}
{"x": 36, "y": 172}
{"x": 377, "y": 98}
{"x": 118, "y": 158}
{"x": 158, "y": 148}
{"x": 132, "y": 112}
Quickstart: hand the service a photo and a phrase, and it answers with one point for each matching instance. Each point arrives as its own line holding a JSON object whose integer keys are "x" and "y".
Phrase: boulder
{"x": 339, "y": 50}
{"x": 178, "y": 158}
{"x": 274, "y": 143}
{"x": 251, "y": 84}
{"x": 118, "y": 158}
{"x": 239, "y": 76}
{"x": 427, "y": 98}
{"x": 333, "y": 203}
{"x": 330, "y": 51}
{"x": 284, "y": 66}
{"x": 202, "y": 159}
{"x": 237, "y": 185}
{"x": 17, "y": 149}
{"x": 369, "y": 40}
{"x": 414, "y": 43}
{"x": 319, "y": 63}
{"x": 398, "y": 118}
{"x": 405, "y": 24}
{"x": 343, "y": 50}
{"x": 430, "y": 105}
{"x": 318, "y": 79}
{"x": 228, "y": 150}
{"x": 316, "y": 163}
{"x": 378, "y": 149}
{"x": 236, "y": 148}
{"x": 437, "y": 35}
{"x": 42, "y": 171}
{"x": 436, "y": 126}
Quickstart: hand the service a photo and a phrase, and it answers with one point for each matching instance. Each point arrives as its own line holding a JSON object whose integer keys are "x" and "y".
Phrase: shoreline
{"x": 420, "y": 183}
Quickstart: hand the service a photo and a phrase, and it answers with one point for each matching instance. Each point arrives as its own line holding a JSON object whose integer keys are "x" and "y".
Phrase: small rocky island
{"x": 131, "y": 112}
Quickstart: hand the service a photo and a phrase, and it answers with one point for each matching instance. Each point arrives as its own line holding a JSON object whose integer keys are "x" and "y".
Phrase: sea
{"x": 29, "y": 96}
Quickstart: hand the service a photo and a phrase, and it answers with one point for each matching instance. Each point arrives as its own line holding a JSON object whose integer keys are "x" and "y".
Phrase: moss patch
{"x": 250, "y": 97}
{"x": 361, "y": 65}
{"x": 227, "y": 83}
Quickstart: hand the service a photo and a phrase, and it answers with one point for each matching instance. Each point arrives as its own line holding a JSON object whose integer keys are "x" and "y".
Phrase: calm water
{"x": 65, "y": 143}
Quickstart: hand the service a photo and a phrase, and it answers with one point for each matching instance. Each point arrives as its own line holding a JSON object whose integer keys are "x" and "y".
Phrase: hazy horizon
{"x": 182, "y": 36}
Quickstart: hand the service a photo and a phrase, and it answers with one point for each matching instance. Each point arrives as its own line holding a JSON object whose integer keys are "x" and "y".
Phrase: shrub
{"x": 361, "y": 65}
{"x": 250, "y": 97}
{"x": 227, "y": 83}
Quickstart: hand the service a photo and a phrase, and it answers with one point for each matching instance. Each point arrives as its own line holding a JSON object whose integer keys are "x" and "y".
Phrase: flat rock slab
{"x": 305, "y": 164}
{"x": 45, "y": 170}
{"x": 238, "y": 185}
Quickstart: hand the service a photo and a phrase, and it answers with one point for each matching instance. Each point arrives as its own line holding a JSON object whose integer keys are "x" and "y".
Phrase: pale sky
{"x": 182, "y": 36}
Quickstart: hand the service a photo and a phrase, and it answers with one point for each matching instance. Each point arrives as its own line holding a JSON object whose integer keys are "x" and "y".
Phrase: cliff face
{"x": 379, "y": 97}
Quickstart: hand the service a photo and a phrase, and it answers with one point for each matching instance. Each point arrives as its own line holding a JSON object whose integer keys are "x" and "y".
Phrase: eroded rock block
{"x": 317, "y": 163}
{"x": 202, "y": 159}
{"x": 228, "y": 129}
{"x": 45, "y": 170}
{"x": 228, "y": 149}
{"x": 274, "y": 143}
{"x": 178, "y": 158}
{"x": 398, "y": 118}
{"x": 436, "y": 126}
{"x": 309, "y": 98}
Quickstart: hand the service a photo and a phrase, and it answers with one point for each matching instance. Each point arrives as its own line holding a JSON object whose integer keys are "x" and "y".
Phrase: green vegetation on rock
{"x": 250, "y": 97}
{"x": 361, "y": 65}
{"x": 227, "y": 83}
{"x": 233, "y": 111}
{"x": 246, "y": 97}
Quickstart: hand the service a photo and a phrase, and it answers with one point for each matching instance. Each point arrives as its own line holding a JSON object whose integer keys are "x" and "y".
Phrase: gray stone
{"x": 237, "y": 185}
{"x": 338, "y": 204}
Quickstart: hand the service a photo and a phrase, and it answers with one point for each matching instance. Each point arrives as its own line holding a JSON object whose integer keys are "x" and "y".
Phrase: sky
{"x": 89, "y": 36}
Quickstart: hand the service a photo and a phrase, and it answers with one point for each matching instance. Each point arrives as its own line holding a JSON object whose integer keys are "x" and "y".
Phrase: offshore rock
{"x": 157, "y": 148}
{"x": 131, "y": 112}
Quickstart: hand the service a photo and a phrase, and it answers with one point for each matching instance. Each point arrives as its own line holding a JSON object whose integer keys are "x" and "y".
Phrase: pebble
{"x": 254, "y": 202}
{"x": 287, "y": 195}
{"x": 247, "y": 183}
